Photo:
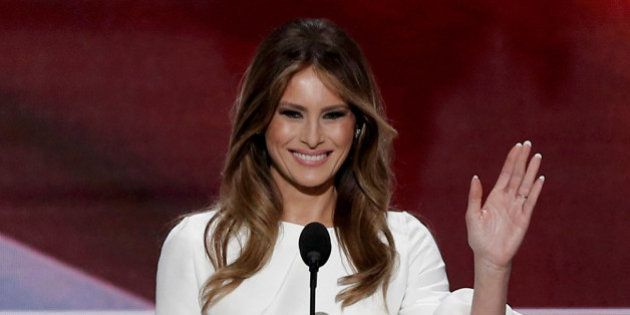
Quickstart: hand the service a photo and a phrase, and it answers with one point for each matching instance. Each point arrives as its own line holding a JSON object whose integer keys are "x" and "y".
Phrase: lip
{"x": 311, "y": 163}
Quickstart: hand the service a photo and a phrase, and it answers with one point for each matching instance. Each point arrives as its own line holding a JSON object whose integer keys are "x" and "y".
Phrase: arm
{"x": 426, "y": 288}
{"x": 496, "y": 229}
{"x": 490, "y": 290}
{"x": 177, "y": 286}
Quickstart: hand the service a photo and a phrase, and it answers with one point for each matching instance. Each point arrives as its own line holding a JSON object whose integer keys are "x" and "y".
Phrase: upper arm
{"x": 177, "y": 281}
{"x": 427, "y": 284}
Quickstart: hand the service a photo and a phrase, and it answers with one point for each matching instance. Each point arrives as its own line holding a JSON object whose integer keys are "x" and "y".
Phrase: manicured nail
{"x": 527, "y": 143}
{"x": 538, "y": 155}
{"x": 542, "y": 178}
{"x": 475, "y": 177}
{"x": 519, "y": 144}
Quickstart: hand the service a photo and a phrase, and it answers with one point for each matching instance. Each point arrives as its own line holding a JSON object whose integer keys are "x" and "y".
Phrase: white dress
{"x": 418, "y": 284}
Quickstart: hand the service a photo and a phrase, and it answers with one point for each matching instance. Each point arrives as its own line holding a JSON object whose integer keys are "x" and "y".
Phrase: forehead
{"x": 305, "y": 88}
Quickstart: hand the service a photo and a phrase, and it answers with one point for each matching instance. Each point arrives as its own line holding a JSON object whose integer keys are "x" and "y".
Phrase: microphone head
{"x": 314, "y": 245}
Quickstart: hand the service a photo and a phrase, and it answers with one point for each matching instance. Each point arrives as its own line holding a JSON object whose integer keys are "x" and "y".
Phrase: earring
{"x": 357, "y": 132}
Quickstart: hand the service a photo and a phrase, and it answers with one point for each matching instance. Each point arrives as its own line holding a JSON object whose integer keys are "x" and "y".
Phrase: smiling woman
{"x": 310, "y": 142}
{"x": 308, "y": 139}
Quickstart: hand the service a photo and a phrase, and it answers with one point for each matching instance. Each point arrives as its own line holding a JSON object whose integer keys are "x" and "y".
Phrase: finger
{"x": 519, "y": 167}
{"x": 508, "y": 166}
{"x": 530, "y": 203}
{"x": 474, "y": 197}
{"x": 530, "y": 175}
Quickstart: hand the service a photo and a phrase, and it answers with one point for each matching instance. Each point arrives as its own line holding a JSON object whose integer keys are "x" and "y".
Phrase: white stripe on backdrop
{"x": 524, "y": 311}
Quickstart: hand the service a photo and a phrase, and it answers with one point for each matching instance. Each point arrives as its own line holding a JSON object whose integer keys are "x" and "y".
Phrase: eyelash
{"x": 290, "y": 113}
{"x": 334, "y": 115}
{"x": 295, "y": 114}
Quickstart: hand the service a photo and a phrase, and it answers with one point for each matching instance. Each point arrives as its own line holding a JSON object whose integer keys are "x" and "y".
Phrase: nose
{"x": 312, "y": 134}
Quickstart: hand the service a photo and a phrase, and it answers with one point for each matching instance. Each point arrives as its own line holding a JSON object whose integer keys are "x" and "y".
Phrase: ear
{"x": 359, "y": 118}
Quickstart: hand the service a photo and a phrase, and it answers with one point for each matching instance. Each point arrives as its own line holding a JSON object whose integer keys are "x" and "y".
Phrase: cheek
{"x": 343, "y": 134}
{"x": 278, "y": 133}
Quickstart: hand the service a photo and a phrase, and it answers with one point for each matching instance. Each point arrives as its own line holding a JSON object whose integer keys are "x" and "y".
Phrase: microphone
{"x": 315, "y": 248}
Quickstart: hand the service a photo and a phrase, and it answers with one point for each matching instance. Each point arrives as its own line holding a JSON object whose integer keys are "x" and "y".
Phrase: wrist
{"x": 490, "y": 288}
{"x": 488, "y": 273}
{"x": 485, "y": 265}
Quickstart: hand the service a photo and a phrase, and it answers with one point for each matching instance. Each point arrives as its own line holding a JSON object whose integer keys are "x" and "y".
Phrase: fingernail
{"x": 538, "y": 155}
{"x": 542, "y": 178}
{"x": 519, "y": 144}
{"x": 527, "y": 143}
{"x": 475, "y": 177}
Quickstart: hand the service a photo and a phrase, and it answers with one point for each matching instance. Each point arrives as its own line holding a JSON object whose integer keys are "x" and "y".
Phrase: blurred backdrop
{"x": 114, "y": 120}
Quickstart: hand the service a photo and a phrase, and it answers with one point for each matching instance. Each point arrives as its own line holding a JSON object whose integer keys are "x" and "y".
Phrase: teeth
{"x": 307, "y": 157}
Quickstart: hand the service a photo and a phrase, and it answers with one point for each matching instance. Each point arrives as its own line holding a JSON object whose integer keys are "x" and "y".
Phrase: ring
{"x": 523, "y": 196}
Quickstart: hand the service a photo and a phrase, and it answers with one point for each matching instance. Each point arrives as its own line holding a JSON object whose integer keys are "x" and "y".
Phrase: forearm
{"x": 491, "y": 287}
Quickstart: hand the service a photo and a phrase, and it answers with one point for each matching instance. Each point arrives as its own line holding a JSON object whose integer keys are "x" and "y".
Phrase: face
{"x": 310, "y": 134}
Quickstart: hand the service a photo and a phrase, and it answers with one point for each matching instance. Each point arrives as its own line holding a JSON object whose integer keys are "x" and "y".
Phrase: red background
{"x": 114, "y": 120}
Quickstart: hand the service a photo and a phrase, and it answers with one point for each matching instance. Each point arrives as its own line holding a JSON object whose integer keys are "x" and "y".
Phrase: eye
{"x": 290, "y": 113}
{"x": 334, "y": 115}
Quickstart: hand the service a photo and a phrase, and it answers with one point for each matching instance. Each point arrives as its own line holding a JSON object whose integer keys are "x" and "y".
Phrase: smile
{"x": 311, "y": 159}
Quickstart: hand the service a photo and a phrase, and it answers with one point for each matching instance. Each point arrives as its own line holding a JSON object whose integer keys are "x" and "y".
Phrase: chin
{"x": 313, "y": 183}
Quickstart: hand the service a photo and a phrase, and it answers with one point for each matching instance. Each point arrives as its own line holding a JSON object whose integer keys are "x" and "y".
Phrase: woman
{"x": 310, "y": 142}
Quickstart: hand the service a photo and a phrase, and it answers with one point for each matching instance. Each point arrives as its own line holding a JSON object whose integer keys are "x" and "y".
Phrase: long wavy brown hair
{"x": 249, "y": 199}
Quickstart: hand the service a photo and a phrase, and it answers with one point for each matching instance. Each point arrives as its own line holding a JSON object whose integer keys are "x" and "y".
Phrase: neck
{"x": 302, "y": 205}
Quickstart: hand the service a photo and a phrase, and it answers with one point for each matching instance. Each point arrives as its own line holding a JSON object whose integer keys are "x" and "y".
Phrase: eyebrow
{"x": 326, "y": 108}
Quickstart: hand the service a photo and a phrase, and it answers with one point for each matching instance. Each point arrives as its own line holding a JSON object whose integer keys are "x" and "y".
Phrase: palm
{"x": 496, "y": 229}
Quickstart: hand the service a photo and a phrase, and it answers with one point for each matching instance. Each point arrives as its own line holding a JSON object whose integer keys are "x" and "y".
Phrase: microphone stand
{"x": 314, "y": 258}
{"x": 313, "y": 285}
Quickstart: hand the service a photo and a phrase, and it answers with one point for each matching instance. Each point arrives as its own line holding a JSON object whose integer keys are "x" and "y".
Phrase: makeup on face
{"x": 311, "y": 132}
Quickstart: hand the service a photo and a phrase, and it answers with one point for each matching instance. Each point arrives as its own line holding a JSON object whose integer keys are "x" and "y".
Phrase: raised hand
{"x": 496, "y": 229}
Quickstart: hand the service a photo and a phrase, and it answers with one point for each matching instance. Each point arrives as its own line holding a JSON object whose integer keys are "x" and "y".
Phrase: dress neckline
{"x": 295, "y": 226}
